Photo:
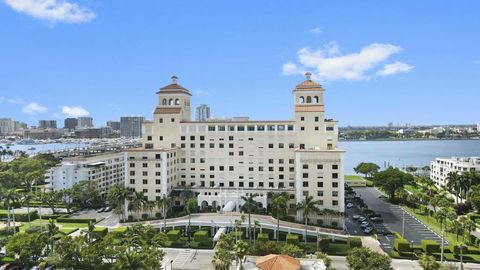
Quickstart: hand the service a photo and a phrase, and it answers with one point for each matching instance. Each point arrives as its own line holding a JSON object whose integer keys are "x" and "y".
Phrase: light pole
{"x": 403, "y": 223}
{"x": 461, "y": 256}
{"x": 171, "y": 264}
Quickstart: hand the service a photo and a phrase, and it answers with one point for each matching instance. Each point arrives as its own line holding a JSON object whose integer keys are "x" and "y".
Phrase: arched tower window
{"x": 301, "y": 100}
{"x": 315, "y": 99}
{"x": 177, "y": 101}
{"x": 309, "y": 99}
{"x": 170, "y": 102}
{"x": 164, "y": 102}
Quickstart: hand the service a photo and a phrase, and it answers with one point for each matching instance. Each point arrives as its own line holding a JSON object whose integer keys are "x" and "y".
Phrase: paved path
{"x": 228, "y": 220}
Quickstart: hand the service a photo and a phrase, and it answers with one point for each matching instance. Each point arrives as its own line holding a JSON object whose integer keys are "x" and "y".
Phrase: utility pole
{"x": 403, "y": 224}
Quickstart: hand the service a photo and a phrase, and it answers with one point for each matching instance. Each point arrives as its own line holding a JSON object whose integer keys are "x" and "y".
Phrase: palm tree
{"x": 453, "y": 184}
{"x": 25, "y": 201}
{"x": 250, "y": 205}
{"x": 428, "y": 262}
{"x": 10, "y": 198}
{"x": 190, "y": 207}
{"x": 51, "y": 231}
{"x": 279, "y": 206}
{"x": 241, "y": 248}
{"x": 468, "y": 226}
{"x": 164, "y": 204}
{"x": 117, "y": 196}
{"x": 307, "y": 207}
{"x": 148, "y": 206}
{"x": 256, "y": 224}
{"x": 445, "y": 213}
{"x": 137, "y": 200}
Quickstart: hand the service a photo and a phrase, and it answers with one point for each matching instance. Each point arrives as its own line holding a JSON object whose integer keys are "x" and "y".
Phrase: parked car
{"x": 362, "y": 219}
{"x": 355, "y": 217}
{"x": 108, "y": 209}
{"x": 376, "y": 219}
{"x": 368, "y": 230}
{"x": 5, "y": 266}
{"x": 101, "y": 210}
{"x": 349, "y": 205}
{"x": 382, "y": 196}
{"x": 364, "y": 224}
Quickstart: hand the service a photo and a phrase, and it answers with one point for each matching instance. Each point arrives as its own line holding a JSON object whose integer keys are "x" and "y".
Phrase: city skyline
{"x": 103, "y": 65}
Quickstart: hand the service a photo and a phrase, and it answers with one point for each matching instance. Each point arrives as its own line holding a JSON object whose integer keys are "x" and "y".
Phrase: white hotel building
{"x": 440, "y": 167}
{"x": 222, "y": 160}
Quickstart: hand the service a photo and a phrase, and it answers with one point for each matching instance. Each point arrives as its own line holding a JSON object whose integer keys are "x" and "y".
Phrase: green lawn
{"x": 354, "y": 178}
{"x": 64, "y": 227}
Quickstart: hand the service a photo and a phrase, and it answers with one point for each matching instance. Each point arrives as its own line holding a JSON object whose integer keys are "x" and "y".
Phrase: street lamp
{"x": 461, "y": 256}
{"x": 171, "y": 264}
{"x": 403, "y": 223}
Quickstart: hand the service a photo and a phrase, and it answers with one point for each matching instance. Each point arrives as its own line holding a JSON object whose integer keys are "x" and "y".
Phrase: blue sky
{"x": 380, "y": 61}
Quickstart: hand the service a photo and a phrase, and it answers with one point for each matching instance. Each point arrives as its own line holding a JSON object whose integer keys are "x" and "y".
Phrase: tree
{"x": 137, "y": 200}
{"x": 241, "y": 248}
{"x": 442, "y": 215}
{"x": 279, "y": 207}
{"x": 10, "y": 199}
{"x": 367, "y": 168}
{"x": 307, "y": 207}
{"x": 428, "y": 262}
{"x": 145, "y": 258}
{"x": 51, "y": 232}
{"x": 224, "y": 255}
{"x": 475, "y": 197}
{"x": 27, "y": 248}
{"x": 164, "y": 204}
{"x": 148, "y": 206}
{"x": 453, "y": 184}
{"x": 366, "y": 259}
{"x": 85, "y": 194}
{"x": 292, "y": 250}
{"x": 250, "y": 205}
{"x": 116, "y": 197}
{"x": 190, "y": 207}
{"x": 51, "y": 198}
{"x": 391, "y": 180}
{"x": 324, "y": 257}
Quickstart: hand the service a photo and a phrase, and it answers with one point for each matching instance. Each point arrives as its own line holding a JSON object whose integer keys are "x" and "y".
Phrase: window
{"x": 160, "y": 120}
{"x": 271, "y": 128}
{"x": 240, "y": 153}
{"x": 319, "y": 166}
{"x": 212, "y": 145}
{"x": 261, "y": 128}
{"x": 132, "y": 181}
{"x": 172, "y": 120}
{"x": 315, "y": 99}
{"x": 230, "y": 184}
{"x": 250, "y": 184}
{"x": 270, "y": 145}
{"x": 231, "y": 128}
{"x": 230, "y": 168}
{"x": 157, "y": 181}
{"x": 305, "y": 175}
{"x": 309, "y": 99}
{"x": 221, "y": 168}
{"x": 192, "y": 138}
{"x": 334, "y": 167}
{"x": 305, "y": 166}
{"x": 305, "y": 184}
{"x": 302, "y": 146}
{"x": 320, "y": 193}
{"x": 230, "y": 138}
{"x": 221, "y": 128}
{"x": 270, "y": 161}
{"x": 316, "y": 118}
{"x": 291, "y": 145}
{"x": 161, "y": 138}
{"x": 192, "y": 145}
{"x": 250, "y": 169}
{"x": 250, "y": 128}
{"x": 211, "y": 128}
{"x": 290, "y": 127}
{"x": 319, "y": 184}
{"x": 335, "y": 175}
{"x": 240, "y": 128}
{"x": 149, "y": 138}
{"x": 182, "y": 138}
{"x": 301, "y": 100}
{"x": 330, "y": 128}
{"x": 334, "y": 193}
{"x": 281, "y": 145}
{"x": 145, "y": 173}
{"x": 260, "y": 168}
{"x": 302, "y": 118}
{"x": 316, "y": 128}
{"x": 145, "y": 165}
{"x": 302, "y": 128}
{"x": 212, "y": 168}
{"x": 291, "y": 161}
{"x": 335, "y": 202}
{"x": 132, "y": 173}
{"x": 281, "y": 128}
{"x": 240, "y": 184}
{"x": 335, "y": 184}
{"x": 132, "y": 165}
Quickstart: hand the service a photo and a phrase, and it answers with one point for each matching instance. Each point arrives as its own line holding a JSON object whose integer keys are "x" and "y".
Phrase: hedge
{"x": 9, "y": 230}
{"x": 354, "y": 242}
{"x": 19, "y": 216}
{"x": 455, "y": 248}
{"x": 292, "y": 239}
{"x": 120, "y": 229}
{"x": 64, "y": 219}
{"x": 201, "y": 236}
{"x": 173, "y": 235}
{"x": 100, "y": 231}
{"x": 430, "y": 246}
{"x": 262, "y": 237}
{"x": 238, "y": 234}
{"x": 401, "y": 245}
{"x": 47, "y": 217}
{"x": 324, "y": 244}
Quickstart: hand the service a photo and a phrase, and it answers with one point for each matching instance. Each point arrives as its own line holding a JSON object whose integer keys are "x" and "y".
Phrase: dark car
{"x": 376, "y": 219}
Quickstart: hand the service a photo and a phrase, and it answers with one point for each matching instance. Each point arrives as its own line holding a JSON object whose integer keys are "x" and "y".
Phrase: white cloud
{"x": 329, "y": 64}
{"x": 316, "y": 30}
{"x": 16, "y": 101}
{"x": 52, "y": 10}
{"x": 75, "y": 111}
{"x": 397, "y": 67}
{"x": 34, "y": 108}
{"x": 201, "y": 92}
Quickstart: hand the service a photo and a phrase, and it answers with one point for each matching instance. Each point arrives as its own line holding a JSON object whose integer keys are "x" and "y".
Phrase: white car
{"x": 349, "y": 205}
{"x": 355, "y": 217}
{"x": 368, "y": 230}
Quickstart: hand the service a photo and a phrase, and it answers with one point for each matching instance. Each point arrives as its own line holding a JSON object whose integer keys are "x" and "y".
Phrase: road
{"x": 392, "y": 216}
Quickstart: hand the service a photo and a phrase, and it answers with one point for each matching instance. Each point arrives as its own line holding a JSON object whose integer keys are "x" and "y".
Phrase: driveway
{"x": 109, "y": 218}
{"x": 393, "y": 217}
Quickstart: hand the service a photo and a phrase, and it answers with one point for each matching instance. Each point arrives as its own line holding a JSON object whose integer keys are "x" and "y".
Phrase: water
{"x": 42, "y": 148}
{"x": 404, "y": 153}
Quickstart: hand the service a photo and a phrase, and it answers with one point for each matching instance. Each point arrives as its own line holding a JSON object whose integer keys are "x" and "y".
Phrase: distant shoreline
{"x": 409, "y": 139}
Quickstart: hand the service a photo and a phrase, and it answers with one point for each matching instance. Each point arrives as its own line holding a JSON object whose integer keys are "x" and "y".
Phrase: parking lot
{"x": 393, "y": 216}
{"x": 109, "y": 218}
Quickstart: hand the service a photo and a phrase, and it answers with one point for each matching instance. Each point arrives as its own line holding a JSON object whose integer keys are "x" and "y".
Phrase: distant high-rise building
{"x": 115, "y": 125}
{"x": 85, "y": 122}
{"x": 70, "y": 123}
{"x": 202, "y": 113}
{"x": 47, "y": 124}
{"x": 6, "y": 126}
{"x": 131, "y": 126}
{"x": 19, "y": 126}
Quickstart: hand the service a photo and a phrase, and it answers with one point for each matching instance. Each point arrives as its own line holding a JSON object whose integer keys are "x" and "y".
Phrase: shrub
{"x": 201, "y": 236}
{"x": 354, "y": 242}
{"x": 9, "y": 230}
{"x": 158, "y": 215}
{"x": 144, "y": 216}
{"x": 194, "y": 244}
{"x": 401, "y": 245}
{"x": 33, "y": 229}
{"x": 100, "y": 231}
{"x": 19, "y": 216}
{"x": 292, "y": 238}
{"x": 455, "y": 248}
{"x": 238, "y": 234}
{"x": 324, "y": 244}
{"x": 430, "y": 246}
{"x": 334, "y": 224}
{"x": 47, "y": 217}
{"x": 265, "y": 248}
{"x": 263, "y": 237}
{"x": 64, "y": 219}
{"x": 173, "y": 235}
{"x": 292, "y": 250}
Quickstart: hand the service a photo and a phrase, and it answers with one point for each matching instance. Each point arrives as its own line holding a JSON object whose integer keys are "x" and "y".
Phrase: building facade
{"x": 440, "y": 167}
{"x": 106, "y": 170}
{"x": 85, "y": 122}
{"x": 222, "y": 160}
{"x": 202, "y": 112}
{"x": 70, "y": 123}
{"x": 47, "y": 124}
{"x": 115, "y": 125}
{"x": 6, "y": 126}
{"x": 131, "y": 126}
